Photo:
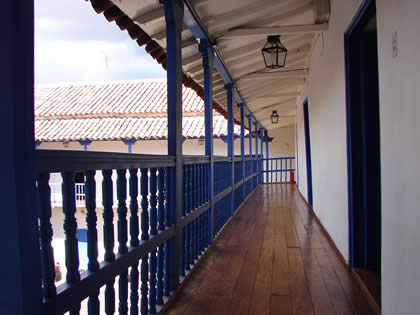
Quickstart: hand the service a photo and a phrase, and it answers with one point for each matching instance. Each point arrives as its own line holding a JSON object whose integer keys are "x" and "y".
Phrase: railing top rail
{"x": 237, "y": 158}
{"x": 49, "y": 161}
{"x": 195, "y": 159}
{"x": 218, "y": 158}
{"x": 281, "y": 158}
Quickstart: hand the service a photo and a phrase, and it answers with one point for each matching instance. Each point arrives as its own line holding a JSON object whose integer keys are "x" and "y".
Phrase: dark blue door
{"x": 308, "y": 151}
{"x": 363, "y": 140}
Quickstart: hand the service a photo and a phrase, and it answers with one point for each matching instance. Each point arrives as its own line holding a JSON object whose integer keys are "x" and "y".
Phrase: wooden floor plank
{"x": 280, "y": 282}
{"x": 315, "y": 282}
{"x": 273, "y": 258}
{"x": 261, "y": 303}
{"x": 280, "y": 305}
{"x": 299, "y": 294}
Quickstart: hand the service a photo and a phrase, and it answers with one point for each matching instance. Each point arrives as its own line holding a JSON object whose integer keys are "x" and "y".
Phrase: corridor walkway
{"x": 272, "y": 258}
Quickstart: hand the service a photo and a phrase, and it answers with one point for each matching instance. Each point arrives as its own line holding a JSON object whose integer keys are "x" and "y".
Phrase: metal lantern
{"x": 274, "y": 117}
{"x": 274, "y": 52}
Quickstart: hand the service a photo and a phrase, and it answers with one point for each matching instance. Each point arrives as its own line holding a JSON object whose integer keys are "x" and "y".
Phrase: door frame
{"x": 347, "y": 35}
{"x": 308, "y": 151}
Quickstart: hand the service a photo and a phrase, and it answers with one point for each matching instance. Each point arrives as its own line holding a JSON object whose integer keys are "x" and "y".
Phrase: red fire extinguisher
{"x": 292, "y": 177}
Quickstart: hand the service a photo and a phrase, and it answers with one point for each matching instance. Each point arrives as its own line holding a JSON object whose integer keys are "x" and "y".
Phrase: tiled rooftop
{"x": 115, "y": 111}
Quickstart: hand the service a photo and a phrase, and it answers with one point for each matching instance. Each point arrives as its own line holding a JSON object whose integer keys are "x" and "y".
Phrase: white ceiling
{"x": 240, "y": 28}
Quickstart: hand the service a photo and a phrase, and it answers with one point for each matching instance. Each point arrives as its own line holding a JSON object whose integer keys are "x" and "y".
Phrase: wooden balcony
{"x": 273, "y": 257}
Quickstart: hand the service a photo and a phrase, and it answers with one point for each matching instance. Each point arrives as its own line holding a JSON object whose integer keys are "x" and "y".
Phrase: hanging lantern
{"x": 274, "y": 117}
{"x": 274, "y": 52}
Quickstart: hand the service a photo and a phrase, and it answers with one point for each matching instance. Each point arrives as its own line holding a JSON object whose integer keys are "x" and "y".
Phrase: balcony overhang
{"x": 237, "y": 31}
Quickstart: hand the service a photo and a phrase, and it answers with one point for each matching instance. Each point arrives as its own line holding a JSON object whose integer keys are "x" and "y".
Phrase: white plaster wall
{"x": 400, "y": 154}
{"x": 399, "y": 113}
{"x": 325, "y": 90}
{"x": 301, "y": 180}
{"x": 282, "y": 145}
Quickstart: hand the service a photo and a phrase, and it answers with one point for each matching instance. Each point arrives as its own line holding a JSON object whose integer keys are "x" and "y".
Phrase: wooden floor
{"x": 272, "y": 258}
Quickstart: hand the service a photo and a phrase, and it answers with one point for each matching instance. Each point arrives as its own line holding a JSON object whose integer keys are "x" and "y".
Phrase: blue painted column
{"x": 85, "y": 144}
{"x": 174, "y": 13}
{"x": 261, "y": 179}
{"x": 255, "y": 179}
{"x": 208, "y": 63}
{"x": 266, "y": 154}
{"x": 231, "y": 153}
{"x": 20, "y": 269}
{"x": 250, "y": 140}
{"x": 241, "y": 105}
{"x": 129, "y": 143}
{"x": 256, "y": 141}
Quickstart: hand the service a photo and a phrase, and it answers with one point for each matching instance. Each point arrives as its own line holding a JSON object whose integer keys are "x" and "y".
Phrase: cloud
{"x": 73, "y": 44}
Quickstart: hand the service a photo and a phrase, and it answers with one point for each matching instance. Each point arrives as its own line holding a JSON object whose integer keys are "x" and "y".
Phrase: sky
{"x": 75, "y": 44}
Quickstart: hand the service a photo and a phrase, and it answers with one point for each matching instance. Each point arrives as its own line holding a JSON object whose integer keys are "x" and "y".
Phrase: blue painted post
{"x": 144, "y": 237}
{"x": 266, "y": 155}
{"x": 250, "y": 145}
{"x": 129, "y": 143}
{"x": 46, "y": 236}
{"x": 19, "y": 215}
{"x": 92, "y": 235}
{"x": 241, "y": 105}
{"x": 108, "y": 217}
{"x": 231, "y": 153}
{"x": 153, "y": 232}
{"x": 260, "y": 178}
{"x": 134, "y": 240}
{"x": 256, "y": 150}
{"x": 85, "y": 144}
{"x": 208, "y": 63}
{"x": 184, "y": 212}
{"x": 188, "y": 210}
{"x": 161, "y": 227}
{"x": 174, "y": 12}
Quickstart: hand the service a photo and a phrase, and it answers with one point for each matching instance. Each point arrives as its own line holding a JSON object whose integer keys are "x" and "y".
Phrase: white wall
{"x": 400, "y": 150}
{"x": 282, "y": 145}
{"x": 400, "y": 154}
{"x": 325, "y": 90}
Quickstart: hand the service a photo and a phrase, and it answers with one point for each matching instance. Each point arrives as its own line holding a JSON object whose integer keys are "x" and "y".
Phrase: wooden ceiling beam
{"x": 276, "y": 75}
{"x": 150, "y": 16}
{"x": 288, "y": 29}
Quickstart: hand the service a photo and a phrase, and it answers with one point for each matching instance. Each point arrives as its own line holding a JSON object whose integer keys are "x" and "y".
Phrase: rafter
{"x": 276, "y": 75}
{"x": 288, "y": 29}
{"x": 150, "y": 16}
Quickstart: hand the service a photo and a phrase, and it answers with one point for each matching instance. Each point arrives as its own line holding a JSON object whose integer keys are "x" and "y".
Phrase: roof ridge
{"x": 119, "y": 115}
{"x": 81, "y": 83}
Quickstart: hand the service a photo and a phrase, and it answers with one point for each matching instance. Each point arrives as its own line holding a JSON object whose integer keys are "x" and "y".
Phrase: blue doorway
{"x": 308, "y": 151}
{"x": 363, "y": 147}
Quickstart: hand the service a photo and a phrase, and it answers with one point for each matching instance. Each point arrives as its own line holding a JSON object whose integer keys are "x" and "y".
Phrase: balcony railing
{"x": 147, "y": 246}
{"x": 279, "y": 170}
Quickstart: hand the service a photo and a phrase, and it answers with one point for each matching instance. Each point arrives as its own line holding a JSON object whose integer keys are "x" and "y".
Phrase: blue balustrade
{"x": 278, "y": 170}
{"x": 145, "y": 241}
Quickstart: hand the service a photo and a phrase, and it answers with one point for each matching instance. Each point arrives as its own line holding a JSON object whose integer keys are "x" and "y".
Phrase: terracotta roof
{"x": 110, "y": 98}
{"x": 115, "y": 111}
